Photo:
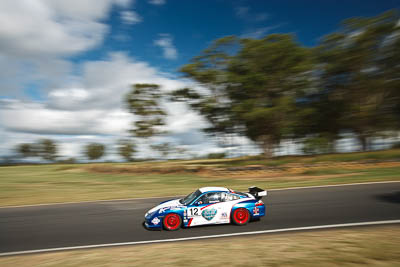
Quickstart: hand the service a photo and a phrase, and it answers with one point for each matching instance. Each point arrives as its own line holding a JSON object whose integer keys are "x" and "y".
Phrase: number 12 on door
{"x": 191, "y": 212}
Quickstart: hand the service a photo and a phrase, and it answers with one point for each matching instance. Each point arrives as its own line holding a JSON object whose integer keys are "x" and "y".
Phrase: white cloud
{"x": 33, "y": 117}
{"x": 37, "y": 36}
{"x": 41, "y": 120}
{"x": 165, "y": 41}
{"x": 103, "y": 83}
{"x": 130, "y": 17}
{"x": 157, "y": 2}
{"x": 84, "y": 10}
{"x": 51, "y": 27}
{"x": 260, "y": 32}
{"x": 243, "y": 12}
{"x": 93, "y": 106}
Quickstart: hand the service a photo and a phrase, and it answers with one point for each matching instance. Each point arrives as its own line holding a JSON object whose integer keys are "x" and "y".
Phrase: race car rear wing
{"x": 257, "y": 192}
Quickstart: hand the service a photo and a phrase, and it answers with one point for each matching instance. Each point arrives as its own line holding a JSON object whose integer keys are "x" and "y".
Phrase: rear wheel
{"x": 172, "y": 222}
{"x": 240, "y": 216}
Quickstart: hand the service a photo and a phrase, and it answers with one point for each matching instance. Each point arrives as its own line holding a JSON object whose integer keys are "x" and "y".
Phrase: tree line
{"x": 274, "y": 89}
{"x": 47, "y": 149}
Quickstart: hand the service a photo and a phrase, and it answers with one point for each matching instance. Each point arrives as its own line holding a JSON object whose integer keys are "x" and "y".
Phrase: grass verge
{"x": 22, "y": 185}
{"x": 391, "y": 154}
{"x": 374, "y": 246}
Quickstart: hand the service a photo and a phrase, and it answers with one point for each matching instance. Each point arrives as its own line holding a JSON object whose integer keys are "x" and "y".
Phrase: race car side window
{"x": 210, "y": 198}
{"x": 232, "y": 197}
{"x": 224, "y": 197}
{"x": 228, "y": 197}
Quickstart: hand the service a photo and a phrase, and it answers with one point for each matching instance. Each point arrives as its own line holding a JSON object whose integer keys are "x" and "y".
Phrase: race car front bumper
{"x": 153, "y": 223}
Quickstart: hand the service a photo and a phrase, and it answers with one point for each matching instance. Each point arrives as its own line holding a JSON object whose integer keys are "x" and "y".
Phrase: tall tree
{"x": 359, "y": 73}
{"x": 164, "y": 148}
{"x": 94, "y": 151}
{"x": 210, "y": 69}
{"x": 47, "y": 149}
{"x": 253, "y": 86}
{"x": 126, "y": 149}
{"x": 267, "y": 77}
{"x": 26, "y": 150}
{"x": 389, "y": 58}
{"x": 144, "y": 102}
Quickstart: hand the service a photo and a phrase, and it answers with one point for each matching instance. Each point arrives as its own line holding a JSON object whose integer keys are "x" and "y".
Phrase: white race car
{"x": 207, "y": 205}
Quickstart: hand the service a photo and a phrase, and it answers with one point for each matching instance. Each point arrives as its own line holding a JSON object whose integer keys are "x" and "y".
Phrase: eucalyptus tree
{"x": 43, "y": 148}
{"x": 163, "y": 148}
{"x": 126, "y": 149}
{"x": 253, "y": 86}
{"x": 144, "y": 102}
{"x": 26, "y": 150}
{"x": 94, "y": 151}
{"x": 360, "y": 72}
{"x": 47, "y": 149}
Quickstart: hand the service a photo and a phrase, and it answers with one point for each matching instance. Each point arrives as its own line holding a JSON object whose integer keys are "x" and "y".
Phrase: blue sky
{"x": 66, "y": 65}
{"x": 194, "y": 24}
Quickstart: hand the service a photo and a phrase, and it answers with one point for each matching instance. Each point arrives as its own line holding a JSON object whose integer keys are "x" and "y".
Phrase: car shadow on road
{"x": 255, "y": 221}
{"x": 392, "y": 197}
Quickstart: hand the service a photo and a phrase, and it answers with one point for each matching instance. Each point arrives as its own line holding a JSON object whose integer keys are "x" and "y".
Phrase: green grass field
{"x": 37, "y": 184}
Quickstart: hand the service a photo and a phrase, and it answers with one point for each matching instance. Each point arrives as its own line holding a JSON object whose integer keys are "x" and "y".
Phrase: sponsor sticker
{"x": 155, "y": 221}
{"x": 224, "y": 215}
{"x": 162, "y": 210}
{"x": 209, "y": 214}
{"x": 256, "y": 211}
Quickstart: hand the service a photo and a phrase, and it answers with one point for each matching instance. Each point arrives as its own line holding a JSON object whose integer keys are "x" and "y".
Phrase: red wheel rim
{"x": 172, "y": 221}
{"x": 241, "y": 216}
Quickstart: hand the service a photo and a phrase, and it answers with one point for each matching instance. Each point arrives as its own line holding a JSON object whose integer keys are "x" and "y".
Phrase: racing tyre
{"x": 172, "y": 222}
{"x": 240, "y": 216}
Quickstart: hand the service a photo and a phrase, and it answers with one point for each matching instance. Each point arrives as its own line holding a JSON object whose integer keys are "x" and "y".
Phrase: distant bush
{"x": 317, "y": 145}
{"x": 68, "y": 161}
{"x": 94, "y": 151}
{"x": 396, "y": 145}
{"x": 216, "y": 155}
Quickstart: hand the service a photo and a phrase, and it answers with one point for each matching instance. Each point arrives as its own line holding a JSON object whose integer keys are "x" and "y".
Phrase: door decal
{"x": 209, "y": 214}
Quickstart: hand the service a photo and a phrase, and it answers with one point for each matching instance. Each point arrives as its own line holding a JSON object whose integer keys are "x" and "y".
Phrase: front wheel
{"x": 240, "y": 216}
{"x": 172, "y": 222}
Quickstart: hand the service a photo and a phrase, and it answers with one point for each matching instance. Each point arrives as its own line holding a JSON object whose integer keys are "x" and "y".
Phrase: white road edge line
{"x": 202, "y": 237}
{"x": 128, "y": 199}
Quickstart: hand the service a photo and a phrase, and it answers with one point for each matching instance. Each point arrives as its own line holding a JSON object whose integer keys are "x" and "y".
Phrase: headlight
{"x": 150, "y": 214}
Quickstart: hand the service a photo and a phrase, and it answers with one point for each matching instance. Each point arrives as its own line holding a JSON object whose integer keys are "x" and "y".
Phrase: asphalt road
{"x": 41, "y": 227}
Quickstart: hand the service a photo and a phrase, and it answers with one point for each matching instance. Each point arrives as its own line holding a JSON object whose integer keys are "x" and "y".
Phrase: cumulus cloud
{"x": 37, "y": 36}
{"x": 157, "y": 2}
{"x": 52, "y": 27}
{"x": 165, "y": 41}
{"x": 93, "y": 106}
{"x": 38, "y": 119}
{"x": 130, "y": 17}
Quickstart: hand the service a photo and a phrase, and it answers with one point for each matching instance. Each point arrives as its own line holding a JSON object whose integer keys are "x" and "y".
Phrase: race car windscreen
{"x": 189, "y": 198}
